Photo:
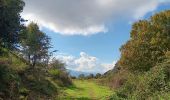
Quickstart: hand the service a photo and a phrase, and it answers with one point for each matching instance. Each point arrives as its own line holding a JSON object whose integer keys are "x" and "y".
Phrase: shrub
{"x": 9, "y": 83}
{"x": 60, "y": 75}
{"x": 152, "y": 84}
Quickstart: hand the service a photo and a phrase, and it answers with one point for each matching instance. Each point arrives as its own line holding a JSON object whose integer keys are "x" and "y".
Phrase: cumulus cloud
{"x": 84, "y": 17}
{"x": 85, "y": 63}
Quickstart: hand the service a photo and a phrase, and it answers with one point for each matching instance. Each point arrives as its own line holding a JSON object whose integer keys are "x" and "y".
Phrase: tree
{"x": 148, "y": 43}
{"x": 145, "y": 60}
{"x": 10, "y": 21}
{"x": 90, "y": 76}
{"x": 98, "y": 75}
{"x": 56, "y": 64}
{"x": 35, "y": 44}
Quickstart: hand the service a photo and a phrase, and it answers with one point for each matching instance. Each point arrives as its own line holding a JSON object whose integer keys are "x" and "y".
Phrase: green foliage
{"x": 9, "y": 83}
{"x": 58, "y": 72}
{"x": 44, "y": 87}
{"x": 98, "y": 75}
{"x": 149, "y": 85}
{"x": 61, "y": 76}
{"x": 146, "y": 59}
{"x": 54, "y": 72}
{"x": 91, "y": 76}
{"x": 24, "y": 71}
{"x": 35, "y": 44}
{"x": 148, "y": 43}
{"x": 56, "y": 64}
{"x": 10, "y": 21}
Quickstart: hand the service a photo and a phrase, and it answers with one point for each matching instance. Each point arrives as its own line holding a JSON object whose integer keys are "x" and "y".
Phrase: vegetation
{"x": 10, "y": 21}
{"x": 35, "y": 45}
{"x": 25, "y": 70}
{"x": 143, "y": 71}
{"x": 86, "y": 90}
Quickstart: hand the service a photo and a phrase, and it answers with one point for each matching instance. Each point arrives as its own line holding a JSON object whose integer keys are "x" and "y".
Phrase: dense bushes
{"x": 153, "y": 84}
{"x": 19, "y": 81}
{"x": 9, "y": 83}
{"x": 25, "y": 72}
{"x": 61, "y": 76}
{"x": 58, "y": 72}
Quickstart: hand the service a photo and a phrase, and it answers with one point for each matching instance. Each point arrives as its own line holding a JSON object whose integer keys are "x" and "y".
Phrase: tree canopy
{"x": 35, "y": 44}
{"x": 149, "y": 41}
{"x": 10, "y": 21}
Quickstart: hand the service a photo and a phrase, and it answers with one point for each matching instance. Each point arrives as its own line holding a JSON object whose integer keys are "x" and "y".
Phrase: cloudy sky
{"x": 89, "y": 33}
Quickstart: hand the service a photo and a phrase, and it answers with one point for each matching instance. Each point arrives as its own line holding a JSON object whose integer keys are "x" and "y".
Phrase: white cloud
{"x": 85, "y": 63}
{"x": 143, "y": 9}
{"x": 84, "y": 17}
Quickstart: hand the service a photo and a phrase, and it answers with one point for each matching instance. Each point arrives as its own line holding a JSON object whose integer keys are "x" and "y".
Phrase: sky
{"x": 89, "y": 33}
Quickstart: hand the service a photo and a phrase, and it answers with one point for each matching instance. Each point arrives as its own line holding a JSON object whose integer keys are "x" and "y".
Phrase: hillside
{"x": 19, "y": 81}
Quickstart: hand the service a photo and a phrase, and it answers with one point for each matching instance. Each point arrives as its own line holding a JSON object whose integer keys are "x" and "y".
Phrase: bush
{"x": 61, "y": 76}
{"x": 44, "y": 87}
{"x": 152, "y": 84}
{"x": 9, "y": 83}
{"x": 54, "y": 72}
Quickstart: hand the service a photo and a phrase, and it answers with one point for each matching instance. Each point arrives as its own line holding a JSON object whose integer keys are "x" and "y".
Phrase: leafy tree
{"x": 10, "y": 21}
{"x": 58, "y": 71}
{"x": 148, "y": 43}
{"x": 98, "y": 75}
{"x": 146, "y": 58}
{"x": 90, "y": 76}
{"x": 56, "y": 64}
{"x": 35, "y": 44}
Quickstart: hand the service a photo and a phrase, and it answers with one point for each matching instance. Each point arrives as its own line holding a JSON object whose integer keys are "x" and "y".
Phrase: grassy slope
{"x": 86, "y": 90}
{"x": 16, "y": 64}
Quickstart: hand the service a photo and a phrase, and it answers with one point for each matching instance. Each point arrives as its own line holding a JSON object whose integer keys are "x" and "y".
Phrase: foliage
{"x": 58, "y": 72}
{"x": 24, "y": 58}
{"x": 149, "y": 85}
{"x": 9, "y": 83}
{"x": 56, "y": 64}
{"x": 98, "y": 75}
{"x": 10, "y": 21}
{"x": 90, "y": 76}
{"x": 146, "y": 58}
{"x": 148, "y": 43}
{"x": 35, "y": 44}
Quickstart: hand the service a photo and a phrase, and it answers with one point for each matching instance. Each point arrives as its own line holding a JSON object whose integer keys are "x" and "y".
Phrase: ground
{"x": 86, "y": 90}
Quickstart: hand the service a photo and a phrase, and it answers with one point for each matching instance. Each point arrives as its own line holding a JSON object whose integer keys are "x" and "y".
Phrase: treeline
{"x": 143, "y": 71}
{"x": 27, "y": 71}
{"x": 90, "y": 76}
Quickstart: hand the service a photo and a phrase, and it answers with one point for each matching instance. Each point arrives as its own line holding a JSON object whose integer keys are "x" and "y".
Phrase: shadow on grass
{"x": 73, "y": 87}
{"x": 82, "y": 98}
{"x": 78, "y": 98}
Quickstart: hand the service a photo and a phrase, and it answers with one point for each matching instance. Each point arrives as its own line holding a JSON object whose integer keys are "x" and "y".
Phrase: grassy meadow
{"x": 86, "y": 90}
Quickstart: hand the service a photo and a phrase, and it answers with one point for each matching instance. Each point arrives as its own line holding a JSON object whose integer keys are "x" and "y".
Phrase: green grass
{"x": 86, "y": 90}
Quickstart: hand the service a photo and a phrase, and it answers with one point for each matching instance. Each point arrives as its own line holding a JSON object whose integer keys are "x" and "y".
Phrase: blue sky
{"x": 90, "y": 42}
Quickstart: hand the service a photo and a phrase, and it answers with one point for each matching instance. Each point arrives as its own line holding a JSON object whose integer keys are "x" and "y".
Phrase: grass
{"x": 86, "y": 90}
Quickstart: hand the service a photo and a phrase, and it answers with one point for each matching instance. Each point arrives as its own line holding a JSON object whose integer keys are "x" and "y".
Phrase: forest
{"x": 28, "y": 70}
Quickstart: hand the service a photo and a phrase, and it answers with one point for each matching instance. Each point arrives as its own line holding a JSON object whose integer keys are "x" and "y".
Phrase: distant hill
{"x": 77, "y": 73}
